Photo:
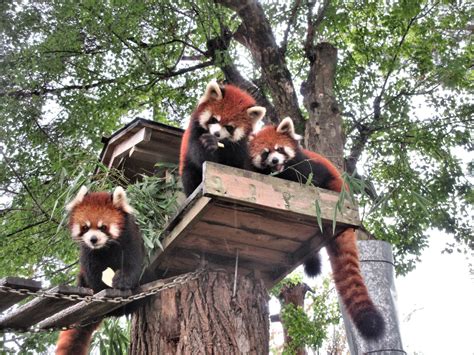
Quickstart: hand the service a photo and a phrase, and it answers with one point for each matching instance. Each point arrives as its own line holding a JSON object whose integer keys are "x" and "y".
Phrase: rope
{"x": 173, "y": 282}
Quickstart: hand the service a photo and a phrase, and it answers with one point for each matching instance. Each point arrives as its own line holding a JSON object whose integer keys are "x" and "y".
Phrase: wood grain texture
{"x": 9, "y": 299}
{"x": 204, "y": 317}
{"x": 84, "y": 311}
{"x": 42, "y": 307}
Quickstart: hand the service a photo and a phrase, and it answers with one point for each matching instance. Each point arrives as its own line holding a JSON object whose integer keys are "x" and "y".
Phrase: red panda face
{"x": 97, "y": 219}
{"x": 272, "y": 147}
{"x": 228, "y": 112}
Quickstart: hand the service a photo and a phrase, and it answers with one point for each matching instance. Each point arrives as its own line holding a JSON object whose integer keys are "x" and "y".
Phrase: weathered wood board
{"x": 85, "y": 311}
{"x": 9, "y": 299}
{"x": 269, "y": 222}
{"x": 42, "y": 307}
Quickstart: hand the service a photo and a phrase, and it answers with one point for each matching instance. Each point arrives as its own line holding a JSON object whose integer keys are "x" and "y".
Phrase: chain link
{"x": 175, "y": 281}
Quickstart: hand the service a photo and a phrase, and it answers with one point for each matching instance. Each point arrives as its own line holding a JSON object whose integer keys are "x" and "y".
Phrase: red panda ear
{"x": 256, "y": 113}
{"x": 78, "y": 199}
{"x": 252, "y": 137}
{"x": 287, "y": 126}
{"x": 119, "y": 200}
{"x": 213, "y": 92}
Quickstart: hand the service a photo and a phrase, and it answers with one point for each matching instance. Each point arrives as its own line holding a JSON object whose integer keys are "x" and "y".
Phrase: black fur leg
{"x": 312, "y": 266}
{"x": 122, "y": 281}
{"x": 370, "y": 324}
{"x": 209, "y": 142}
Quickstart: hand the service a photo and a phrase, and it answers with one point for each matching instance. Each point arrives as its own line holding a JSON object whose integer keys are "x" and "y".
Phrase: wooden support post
{"x": 202, "y": 317}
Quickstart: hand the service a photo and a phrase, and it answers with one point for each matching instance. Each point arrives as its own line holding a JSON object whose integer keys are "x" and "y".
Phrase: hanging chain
{"x": 175, "y": 281}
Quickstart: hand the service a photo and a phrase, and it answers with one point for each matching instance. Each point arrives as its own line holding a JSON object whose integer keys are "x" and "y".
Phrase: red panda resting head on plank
{"x": 276, "y": 149}
{"x": 105, "y": 229}
{"x": 218, "y": 131}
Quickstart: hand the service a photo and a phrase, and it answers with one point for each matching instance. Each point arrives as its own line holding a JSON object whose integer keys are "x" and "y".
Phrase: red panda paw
{"x": 209, "y": 142}
{"x": 122, "y": 281}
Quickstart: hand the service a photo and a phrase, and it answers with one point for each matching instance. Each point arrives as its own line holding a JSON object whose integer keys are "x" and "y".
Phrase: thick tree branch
{"x": 220, "y": 44}
{"x": 309, "y": 46}
{"x": 291, "y": 21}
{"x": 256, "y": 34}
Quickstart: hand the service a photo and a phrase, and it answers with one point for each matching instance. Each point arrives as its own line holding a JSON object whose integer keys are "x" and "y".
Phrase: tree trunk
{"x": 323, "y": 133}
{"x": 203, "y": 317}
{"x": 293, "y": 294}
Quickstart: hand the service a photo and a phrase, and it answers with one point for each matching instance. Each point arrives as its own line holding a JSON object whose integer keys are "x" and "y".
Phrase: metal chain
{"x": 176, "y": 281}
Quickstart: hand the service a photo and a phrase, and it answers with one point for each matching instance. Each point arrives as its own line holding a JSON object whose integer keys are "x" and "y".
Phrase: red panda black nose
{"x": 93, "y": 239}
{"x": 275, "y": 160}
{"x": 217, "y": 134}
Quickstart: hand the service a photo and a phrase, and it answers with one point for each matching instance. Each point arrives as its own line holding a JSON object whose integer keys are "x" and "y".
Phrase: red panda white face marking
{"x": 97, "y": 219}
{"x": 225, "y": 113}
{"x": 272, "y": 147}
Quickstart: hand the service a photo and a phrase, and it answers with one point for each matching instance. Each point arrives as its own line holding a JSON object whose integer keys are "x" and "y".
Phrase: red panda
{"x": 225, "y": 115}
{"x": 104, "y": 227}
{"x": 276, "y": 150}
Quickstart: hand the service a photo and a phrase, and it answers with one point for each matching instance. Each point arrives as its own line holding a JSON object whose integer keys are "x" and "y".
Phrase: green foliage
{"x": 114, "y": 337}
{"x": 293, "y": 279}
{"x": 155, "y": 200}
{"x": 309, "y": 327}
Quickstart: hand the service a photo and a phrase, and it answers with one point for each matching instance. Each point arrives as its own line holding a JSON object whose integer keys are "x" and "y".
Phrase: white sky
{"x": 443, "y": 291}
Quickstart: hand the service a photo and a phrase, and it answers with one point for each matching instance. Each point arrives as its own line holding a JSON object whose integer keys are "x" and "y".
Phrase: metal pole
{"x": 378, "y": 271}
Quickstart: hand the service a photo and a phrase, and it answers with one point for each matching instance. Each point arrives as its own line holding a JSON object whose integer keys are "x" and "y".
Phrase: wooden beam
{"x": 9, "y": 299}
{"x": 143, "y": 135}
{"x": 181, "y": 224}
{"x": 86, "y": 311}
{"x": 273, "y": 194}
{"x": 42, "y": 307}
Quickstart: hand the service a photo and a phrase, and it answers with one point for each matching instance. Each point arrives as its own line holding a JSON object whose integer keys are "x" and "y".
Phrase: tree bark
{"x": 203, "y": 317}
{"x": 255, "y": 33}
{"x": 293, "y": 294}
{"x": 323, "y": 133}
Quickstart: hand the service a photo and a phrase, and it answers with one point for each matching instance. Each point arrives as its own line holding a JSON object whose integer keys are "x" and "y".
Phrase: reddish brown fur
{"x": 75, "y": 341}
{"x": 96, "y": 207}
{"x": 269, "y": 137}
{"x": 232, "y": 109}
{"x": 343, "y": 252}
{"x": 337, "y": 182}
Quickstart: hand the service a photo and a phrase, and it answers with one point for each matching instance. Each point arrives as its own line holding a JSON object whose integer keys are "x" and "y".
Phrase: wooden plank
{"x": 9, "y": 299}
{"x": 84, "y": 311}
{"x": 182, "y": 260}
{"x": 268, "y": 192}
{"x": 259, "y": 222}
{"x": 42, "y": 307}
{"x": 180, "y": 225}
{"x": 222, "y": 246}
{"x": 142, "y": 135}
{"x": 244, "y": 236}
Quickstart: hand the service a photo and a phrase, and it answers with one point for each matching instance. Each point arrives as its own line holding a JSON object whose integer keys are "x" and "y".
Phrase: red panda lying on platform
{"x": 225, "y": 115}
{"x": 104, "y": 227}
{"x": 276, "y": 150}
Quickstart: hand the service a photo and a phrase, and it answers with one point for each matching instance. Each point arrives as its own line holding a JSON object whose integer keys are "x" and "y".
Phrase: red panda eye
{"x": 212, "y": 120}
{"x": 230, "y": 129}
{"x": 84, "y": 228}
{"x": 103, "y": 228}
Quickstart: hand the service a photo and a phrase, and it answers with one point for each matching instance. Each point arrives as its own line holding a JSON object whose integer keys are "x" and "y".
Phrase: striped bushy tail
{"x": 75, "y": 341}
{"x": 344, "y": 258}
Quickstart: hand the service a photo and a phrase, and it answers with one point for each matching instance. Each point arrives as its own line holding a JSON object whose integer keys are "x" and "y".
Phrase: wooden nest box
{"x": 270, "y": 225}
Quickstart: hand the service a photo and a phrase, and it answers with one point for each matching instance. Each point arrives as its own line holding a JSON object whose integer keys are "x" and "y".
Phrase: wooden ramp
{"x": 270, "y": 223}
{"x": 59, "y": 306}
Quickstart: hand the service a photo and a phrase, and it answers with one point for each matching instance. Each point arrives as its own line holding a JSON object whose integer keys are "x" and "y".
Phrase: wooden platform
{"x": 272, "y": 225}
